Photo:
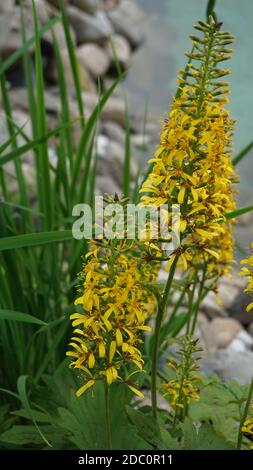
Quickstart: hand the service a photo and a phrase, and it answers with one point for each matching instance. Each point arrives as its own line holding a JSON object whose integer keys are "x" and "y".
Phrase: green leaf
{"x": 151, "y": 431}
{"x": 12, "y": 315}
{"x": 245, "y": 151}
{"x": 210, "y": 8}
{"x": 34, "y": 239}
{"x": 203, "y": 439}
{"x": 27, "y": 435}
{"x": 237, "y": 213}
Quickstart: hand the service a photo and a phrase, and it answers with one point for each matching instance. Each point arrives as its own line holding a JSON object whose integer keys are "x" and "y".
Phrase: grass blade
{"x": 34, "y": 239}
{"x": 12, "y": 315}
{"x": 243, "y": 153}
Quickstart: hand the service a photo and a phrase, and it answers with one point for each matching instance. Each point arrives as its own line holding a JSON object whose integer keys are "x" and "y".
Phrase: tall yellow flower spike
{"x": 192, "y": 165}
{"x": 113, "y": 306}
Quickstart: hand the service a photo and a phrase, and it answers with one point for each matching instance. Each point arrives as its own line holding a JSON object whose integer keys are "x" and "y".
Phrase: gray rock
{"x": 119, "y": 46}
{"x": 89, "y": 28}
{"x": 106, "y": 184}
{"x": 238, "y": 308}
{"x": 93, "y": 58}
{"x": 222, "y": 331}
{"x": 128, "y": 20}
{"x": 89, "y": 6}
{"x": 111, "y": 159}
{"x": 114, "y": 110}
{"x": 113, "y": 131}
{"x": 229, "y": 365}
{"x": 6, "y": 5}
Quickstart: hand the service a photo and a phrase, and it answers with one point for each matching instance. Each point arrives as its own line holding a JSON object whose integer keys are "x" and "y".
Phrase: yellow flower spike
{"x": 85, "y": 387}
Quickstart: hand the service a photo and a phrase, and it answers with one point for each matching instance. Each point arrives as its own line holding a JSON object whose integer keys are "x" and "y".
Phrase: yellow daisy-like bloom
{"x": 113, "y": 306}
{"x": 248, "y": 271}
{"x": 192, "y": 165}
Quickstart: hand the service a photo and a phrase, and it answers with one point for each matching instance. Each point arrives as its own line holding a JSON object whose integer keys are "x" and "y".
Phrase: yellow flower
{"x": 192, "y": 165}
{"x": 115, "y": 303}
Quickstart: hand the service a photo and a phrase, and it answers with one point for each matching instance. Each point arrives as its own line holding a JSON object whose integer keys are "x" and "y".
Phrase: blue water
{"x": 153, "y": 75}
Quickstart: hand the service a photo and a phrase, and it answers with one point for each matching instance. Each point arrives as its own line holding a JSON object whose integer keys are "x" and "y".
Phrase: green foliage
{"x": 68, "y": 422}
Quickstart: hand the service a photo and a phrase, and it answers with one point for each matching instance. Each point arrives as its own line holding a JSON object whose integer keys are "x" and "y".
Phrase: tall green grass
{"x": 39, "y": 258}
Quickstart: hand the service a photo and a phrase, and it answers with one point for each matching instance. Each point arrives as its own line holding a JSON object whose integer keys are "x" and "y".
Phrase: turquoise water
{"x": 155, "y": 65}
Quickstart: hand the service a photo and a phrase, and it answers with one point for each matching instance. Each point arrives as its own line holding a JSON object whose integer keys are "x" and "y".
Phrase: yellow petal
{"x": 85, "y": 387}
{"x": 112, "y": 350}
{"x": 249, "y": 307}
{"x": 181, "y": 194}
{"x": 137, "y": 392}
{"x": 119, "y": 338}
{"x": 101, "y": 349}
{"x": 91, "y": 361}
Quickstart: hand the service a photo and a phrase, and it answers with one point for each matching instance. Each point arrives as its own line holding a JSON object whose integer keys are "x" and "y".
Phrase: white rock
{"x": 237, "y": 346}
{"x": 119, "y": 46}
{"x": 229, "y": 365}
{"x": 93, "y": 58}
{"x": 128, "y": 20}
{"x": 246, "y": 339}
{"x": 89, "y": 28}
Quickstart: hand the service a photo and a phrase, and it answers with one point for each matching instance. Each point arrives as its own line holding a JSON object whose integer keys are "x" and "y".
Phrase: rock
{"x": 246, "y": 339}
{"x": 93, "y": 58}
{"x": 106, "y": 185}
{"x": 250, "y": 329}
{"x": 114, "y": 110}
{"x": 128, "y": 20}
{"x": 119, "y": 46}
{"x": 113, "y": 131}
{"x": 238, "y": 308}
{"x": 222, "y": 331}
{"x": 211, "y": 308}
{"x": 111, "y": 159}
{"x": 237, "y": 346}
{"x": 89, "y": 28}
{"x": 10, "y": 38}
{"x": 89, "y": 6}
{"x": 229, "y": 365}
{"x": 6, "y": 5}
{"x": 141, "y": 141}
{"x": 84, "y": 75}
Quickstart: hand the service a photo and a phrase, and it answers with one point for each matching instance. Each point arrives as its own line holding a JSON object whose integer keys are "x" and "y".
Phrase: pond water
{"x": 153, "y": 74}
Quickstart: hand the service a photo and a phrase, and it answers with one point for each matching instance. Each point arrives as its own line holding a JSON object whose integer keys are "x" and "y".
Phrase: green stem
{"x": 196, "y": 310}
{"x": 244, "y": 416}
{"x": 158, "y": 324}
{"x": 107, "y": 417}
